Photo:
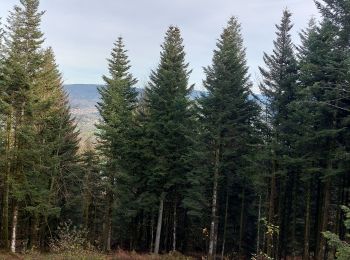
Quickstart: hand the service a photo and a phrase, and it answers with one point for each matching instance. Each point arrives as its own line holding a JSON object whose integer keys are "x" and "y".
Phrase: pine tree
{"x": 116, "y": 128}
{"x": 3, "y": 148}
{"x": 21, "y": 65}
{"x": 228, "y": 115}
{"x": 92, "y": 194}
{"x": 59, "y": 140}
{"x": 279, "y": 88}
{"x": 168, "y": 127}
{"x": 38, "y": 125}
{"x": 322, "y": 80}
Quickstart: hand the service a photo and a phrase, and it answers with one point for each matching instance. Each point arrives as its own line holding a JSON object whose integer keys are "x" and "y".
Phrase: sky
{"x": 82, "y": 32}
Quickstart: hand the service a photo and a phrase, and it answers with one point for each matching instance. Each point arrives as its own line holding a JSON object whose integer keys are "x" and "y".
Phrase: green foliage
{"x": 228, "y": 120}
{"x": 41, "y": 140}
{"x": 117, "y": 133}
{"x": 165, "y": 144}
{"x": 168, "y": 121}
{"x": 342, "y": 247}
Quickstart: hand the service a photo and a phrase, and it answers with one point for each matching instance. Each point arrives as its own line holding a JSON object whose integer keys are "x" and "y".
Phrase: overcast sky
{"x": 82, "y": 32}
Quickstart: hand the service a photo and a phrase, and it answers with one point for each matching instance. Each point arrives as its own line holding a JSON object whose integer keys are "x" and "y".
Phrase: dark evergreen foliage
{"x": 219, "y": 175}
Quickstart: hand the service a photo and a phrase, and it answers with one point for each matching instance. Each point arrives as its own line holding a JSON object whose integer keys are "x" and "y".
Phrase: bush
{"x": 342, "y": 247}
{"x": 71, "y": 240}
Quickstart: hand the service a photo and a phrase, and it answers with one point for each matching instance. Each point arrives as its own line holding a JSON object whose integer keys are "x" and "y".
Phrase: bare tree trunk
{"x": 225, "y": 227}
{"x": 241, "y": 228}
{"x": 159, "y": 223}
{"x": 108, "y": 223}
{"x": 174, "y": 226}
{"x": 306, "y": 255}
{"x": 14, "y": 229}
{"x": 324, "y": 221}
{"x": 213, "y": 233}
{"x": 34, "y": 240}
{"x": 294, "y": 216}
{"x": 109, "y": 232}
{"x": 269, "y": 243}
{"x": 5, "y": 211}
{"x": 258, "y": 231}
{"x": 152, "y": 233}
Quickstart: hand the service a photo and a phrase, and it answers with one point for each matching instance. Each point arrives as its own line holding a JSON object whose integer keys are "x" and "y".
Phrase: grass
{"x": 119, "y": 255}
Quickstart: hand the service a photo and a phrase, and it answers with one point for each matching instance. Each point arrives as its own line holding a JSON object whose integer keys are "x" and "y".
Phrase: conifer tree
{"x": 3, "y": 148}
{"x": 58, "y": 139}
{"x": 116, "y": 128}
{"x": 38, "y": 125}
{"x": 323, "y": 73}
{"x": 23, "y": 59}
{"x": 168, "y": 127}
{"x": 279, "y": 88}
{"x": 228, "y": 115}
{"x": 92, "y": 194}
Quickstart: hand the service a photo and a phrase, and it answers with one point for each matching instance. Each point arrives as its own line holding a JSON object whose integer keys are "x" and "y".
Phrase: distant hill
{"x": 81, "y": 95}
{"x": 83, "y": 99}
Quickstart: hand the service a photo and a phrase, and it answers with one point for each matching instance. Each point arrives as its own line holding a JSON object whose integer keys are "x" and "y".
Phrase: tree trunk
{"x": 306, "y": 255}
{"x": 324, "y": 220}
{"x": 159, "y": 223}
{"x": 33, "y": 242}
{"x": 109, "y": 232}
{"x": 258, "y": 228}
{"x": 152, "y": 234}
{"x": 269, "y": 243}
{"x": 241, "y": 228}
{"x": 294, "y": 216}
{"x": 225, "y": 227}
{"x": 174, "y": 226}
{"x": 213, "y": 233}
{"x": 317, "y": 229}
{"x": 108, "y": 223}
{"x": 6, "y": 185}
{"x": 14, "y": 228}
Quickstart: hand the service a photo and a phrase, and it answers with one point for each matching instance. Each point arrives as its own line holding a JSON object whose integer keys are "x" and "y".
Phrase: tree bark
{"x": 225, "y": 227}
{"x": 5, "y": 211}
{"x": 108, "y": 223}
{"x": 109, "y": 231}
{"x": 159, "y": 223}
{"x": 14, "y": 229}
{"x": 174, "y": 226}
{"x": 241, "y": 228}
{"x": 34, "y": 241}
{"x": 306, "y": 254}
{"x": 324, "y": 220}
{"x": 294, "y": 216}
{"x": 269, "y": 242}
{"x": 212, "y": 236}
{"x": 152, "y": 234}
{"x": 258, "y": 228}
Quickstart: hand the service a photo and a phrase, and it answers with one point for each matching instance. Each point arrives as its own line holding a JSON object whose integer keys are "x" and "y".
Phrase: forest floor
{"x": 120, "y": 255}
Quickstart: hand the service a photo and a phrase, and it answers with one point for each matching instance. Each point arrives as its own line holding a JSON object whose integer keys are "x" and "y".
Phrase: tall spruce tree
{"x": 228, "y": 115}
{"x": 323, "y": 82}
{"x": 92, "y": 193}
{"x": 168, "y": 127}
{"x": 3, "y": 160}
{"x": 115, "y": 129}
{"x": 20, "y": 73}
{"x": 59, "y": 139}
{"x": 279, "y": 88}
{"x": 37, "y": 115}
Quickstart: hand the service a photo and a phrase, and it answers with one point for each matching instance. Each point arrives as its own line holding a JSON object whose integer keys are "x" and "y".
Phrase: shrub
{"x": 71, "y": 240}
